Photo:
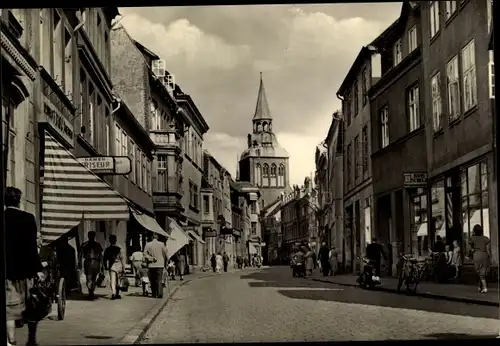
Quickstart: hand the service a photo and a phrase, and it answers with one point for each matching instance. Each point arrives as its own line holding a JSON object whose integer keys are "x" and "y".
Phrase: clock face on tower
{"x": 266, "y": 138}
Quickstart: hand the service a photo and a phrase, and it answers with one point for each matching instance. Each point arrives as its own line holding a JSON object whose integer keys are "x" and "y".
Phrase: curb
{"x": 139, "y": 330}
{"x": 422, "y": 294}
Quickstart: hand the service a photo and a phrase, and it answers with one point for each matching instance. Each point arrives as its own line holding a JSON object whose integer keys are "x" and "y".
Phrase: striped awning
{"x": 72, "y": 193}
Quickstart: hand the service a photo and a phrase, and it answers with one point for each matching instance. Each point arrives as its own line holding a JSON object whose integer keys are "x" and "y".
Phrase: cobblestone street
{"x": 270, "y": 305}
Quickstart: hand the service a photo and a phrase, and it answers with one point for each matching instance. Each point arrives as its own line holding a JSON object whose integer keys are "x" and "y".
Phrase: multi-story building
{"x": 321, "y": 181}
{"x": 217, "y": 218}
{"x": 398, "y": 139}
{"x": 271, "y": 229}
{"x": 240, "y": 220}
{"x": 264, "y": 163}
{"x": 357, "y": 165}
{"x": 140, "y": 79}
{"x": 455, "y": 37}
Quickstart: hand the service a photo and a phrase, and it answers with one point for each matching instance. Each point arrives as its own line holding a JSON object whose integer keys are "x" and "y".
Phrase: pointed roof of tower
{"x": 262, "y": 108}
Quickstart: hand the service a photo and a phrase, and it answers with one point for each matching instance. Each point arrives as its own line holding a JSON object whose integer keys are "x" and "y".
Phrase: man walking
{"x": 323, "y": 259}
{"x": 91, "y": 252}
{"x": 22, "y": 263}
{"x": 156, "y": 253}
{"x": 225, "y": 259}
{"x": 374, "y": 252}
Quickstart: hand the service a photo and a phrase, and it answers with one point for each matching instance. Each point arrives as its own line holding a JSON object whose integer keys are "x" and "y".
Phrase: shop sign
{"x": 226, "y": 231}
{"x": 237, "y": 232}
{"x": 62, "y": 126}
{"x": 210, "y": 233}
{"x": 415, "y": 179}
{"x": 116, "y": 165}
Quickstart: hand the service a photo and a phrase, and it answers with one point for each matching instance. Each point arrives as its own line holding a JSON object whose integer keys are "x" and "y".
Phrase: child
{"x": 171, "y": 269}
{"x": 449, "y": 254}
{"x": 144, "y": 273}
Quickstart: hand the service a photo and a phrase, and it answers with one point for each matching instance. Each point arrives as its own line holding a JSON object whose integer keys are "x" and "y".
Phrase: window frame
{"x": 397, "y": 52}
{"x": 413, "y": 107}
{"x": 412, "y": 38}
{"x": 385, "y": 138}
{"x": 434, "y": 25}
{"x": 436, "y": 102}
{"x": 452, "y": 66}
{"x": 469, "y": 74}
{"x": 161, "y": 171}
{"x": 450, "y": 9}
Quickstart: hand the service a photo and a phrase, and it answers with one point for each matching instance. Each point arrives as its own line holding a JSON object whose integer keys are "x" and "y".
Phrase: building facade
{"x": 460, "y": 171}
{"x": 265, "y": 163}
{"x": 398, "y": 140}
{"x": 271, "y": 230}
{"x": 357, "y": 190}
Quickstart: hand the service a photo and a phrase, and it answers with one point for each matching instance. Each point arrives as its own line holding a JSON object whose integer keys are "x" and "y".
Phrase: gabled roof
{"x": 146, "y": 51}
{"x": 363, "y": 54}
{"x": 272, "y": 208}
{"x": 490, "y": 43}
{"x": 262, "y": 108}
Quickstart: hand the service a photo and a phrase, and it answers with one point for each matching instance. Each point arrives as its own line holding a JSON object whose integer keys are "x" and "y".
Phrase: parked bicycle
{"x": 412, "y": 271}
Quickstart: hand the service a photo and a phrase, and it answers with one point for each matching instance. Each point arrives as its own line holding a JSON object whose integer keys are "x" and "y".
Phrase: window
{"x": 155, "y": 116}
{"x": 253, "y": 207}
{"x": 254, "y": 228}
{"x": 161, "y": 173}
{"x": 131, "y": 155}
{"x": 45, "y": 39}
{"x": 436, "y": 102}
{"x": 68, "y": 64}
{"x": 206, "y": 204}
{"x": 57, "y": 48}
{"x": 364, "y": 142}
{"x": 144, "y": 173}
{"x": 98, "y": 38}
{"x": 124, "y": 144}
{"x": 453, "y": 89}
{"x": 8, "y": 145}
{"x": 475, "y": 207}
{"x": 273, "y": 175}
{"x": 148, "y": 177}
{"x": 347, "y": 108}
{"x": 412, "y": 39}
{"x": 356, "y": 98}
{"x": 357, "y": 150}
{"x": 469, "y": 76}
{"x": 397, "y": 52}
{"x": 138, "y": 166}
{"x": 83, "y": 90}
{"x": 90, "y": 135}
{"x": 413, "y": 109}
{"x": 106, "y": 130}
{"x": 364, "y": 85}
{"x": 265, "y": 175}
{"x": 491, "y": 79}
{"x": 434, "y": 17}
{"x": 384, "y": 127}
{"x": 451, "y": 7}
{"x": 195, "y": 196}
{"x": 281, "y": 176}
{"x": 349, "y": 165}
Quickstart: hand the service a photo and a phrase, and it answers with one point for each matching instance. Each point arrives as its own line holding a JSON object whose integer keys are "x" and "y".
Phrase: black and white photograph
{"x": 232, "y": 173}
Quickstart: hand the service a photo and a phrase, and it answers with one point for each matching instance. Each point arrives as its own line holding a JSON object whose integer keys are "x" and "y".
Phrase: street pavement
{"x": 269, "y": 305}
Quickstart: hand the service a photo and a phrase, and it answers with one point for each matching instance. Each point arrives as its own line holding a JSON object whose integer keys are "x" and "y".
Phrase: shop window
{"x": 161, "y": 172}
{"x": 474, "y": 194}
{"x": 419, "y": 224}
{"x": 206, "y": 204}
{"x": 438, "y": 225}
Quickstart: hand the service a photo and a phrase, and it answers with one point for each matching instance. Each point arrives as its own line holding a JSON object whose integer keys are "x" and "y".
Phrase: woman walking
{"x": 332, "y": 258}
{"x": 114, "y": 262}
{"x": 219, "y": 262}
{"x": 213, "y": 262}
{"x": 309, "y": 261}
{"x": 481, "y": 248}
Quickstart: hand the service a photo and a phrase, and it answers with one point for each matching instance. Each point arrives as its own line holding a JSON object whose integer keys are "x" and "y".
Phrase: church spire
{"x": 262, "y": 108}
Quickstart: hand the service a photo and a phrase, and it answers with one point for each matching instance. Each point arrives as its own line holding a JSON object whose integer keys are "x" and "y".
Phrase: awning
{"x": 251, "y": 248}
{"x": 72, "y": 193}
{"x": 195, "y": 236}
{"x": 179, "y": 237}
{"x": 422, "y": 230}
{"x": 149, "y": 223}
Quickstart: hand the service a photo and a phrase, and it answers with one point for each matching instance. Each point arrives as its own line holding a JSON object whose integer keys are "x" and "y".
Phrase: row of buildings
{"x": 410, "y": 156}
{"x": 100, "y": 137}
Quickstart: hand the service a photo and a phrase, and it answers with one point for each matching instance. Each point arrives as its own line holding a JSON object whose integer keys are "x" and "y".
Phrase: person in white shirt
{"x": 136, "y": 259}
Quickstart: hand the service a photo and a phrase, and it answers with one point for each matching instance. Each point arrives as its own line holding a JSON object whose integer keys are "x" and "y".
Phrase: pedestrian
{"x": 137, "y": 259}
{"x": 239, "y": 262}
{"x": 156, "y": 253}
{"x": 219, "y": 262}
{"x": 456, "y": 259}
{"x": 375, "y": 252}
{"x": 91, "y": 252}
{"x": 114, "y": 262}
{"x": 66, "y": 255}
{"x": 213, "y": 262}
{"x": 171, "y": 269}
{"x": 324, "y": 259}
{"x": 480, "y": 246}
{"x": 225, "y": 259}
{"x": 333, "y": 260}
{"x": 22, "y": 263}
{"x": 181, "y": 265}
{"x": 245, "y": 262}
{"x": 309, "y": 261}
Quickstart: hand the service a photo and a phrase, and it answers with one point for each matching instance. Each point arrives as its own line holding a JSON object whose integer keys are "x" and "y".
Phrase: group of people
{"x": 327, "y": 259}
{"x": 219, "y": 262}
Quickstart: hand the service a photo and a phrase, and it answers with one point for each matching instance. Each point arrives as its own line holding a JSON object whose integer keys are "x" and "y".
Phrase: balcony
{"x": 164, "y": 138}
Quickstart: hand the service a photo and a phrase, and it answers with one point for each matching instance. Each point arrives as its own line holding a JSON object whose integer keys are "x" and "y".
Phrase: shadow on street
{"x": 457, "y": 336}
{"x": 281, "y": 277}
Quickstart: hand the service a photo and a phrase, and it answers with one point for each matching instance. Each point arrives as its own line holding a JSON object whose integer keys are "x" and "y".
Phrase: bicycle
{"x": 409, "y": 273}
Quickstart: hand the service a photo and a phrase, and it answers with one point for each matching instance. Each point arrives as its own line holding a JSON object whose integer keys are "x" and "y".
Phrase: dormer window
{"x": 412, "y": 39}
{"x": 397, "y": 52}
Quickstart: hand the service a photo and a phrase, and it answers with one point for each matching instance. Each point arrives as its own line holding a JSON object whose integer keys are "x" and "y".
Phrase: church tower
{"x": 264, "y": 163}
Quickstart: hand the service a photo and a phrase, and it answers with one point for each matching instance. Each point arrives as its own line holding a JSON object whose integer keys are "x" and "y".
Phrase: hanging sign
{"x": 116, "y": 165}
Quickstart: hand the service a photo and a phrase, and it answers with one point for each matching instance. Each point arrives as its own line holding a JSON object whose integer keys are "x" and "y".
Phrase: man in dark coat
{"x": 375, "y": 252}
{"x": 225, "y": 259}
{"x": 324, "y": 259}
{"x": 91, "y": 252}
{"x": 22, "y": 262}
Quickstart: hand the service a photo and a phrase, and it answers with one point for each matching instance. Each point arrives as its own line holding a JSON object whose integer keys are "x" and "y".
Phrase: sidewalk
{"x": 452, "y": 292}
{"x": 104, "y": 321}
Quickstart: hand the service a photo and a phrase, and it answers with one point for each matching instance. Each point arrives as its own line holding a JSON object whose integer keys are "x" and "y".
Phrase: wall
{"x": 269, "y": 194}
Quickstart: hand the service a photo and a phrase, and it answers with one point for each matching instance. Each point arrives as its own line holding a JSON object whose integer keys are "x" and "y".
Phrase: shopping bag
{"x": 100, "y": 281}
{"x": 83, "y": 278}
{"x": 164, "y": 277}
{"x": 124, "y": 284}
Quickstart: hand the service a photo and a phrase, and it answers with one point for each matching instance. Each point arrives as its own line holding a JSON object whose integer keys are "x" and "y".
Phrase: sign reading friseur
{"x": 116, "y": 165}
{"x": 415, "y": 179}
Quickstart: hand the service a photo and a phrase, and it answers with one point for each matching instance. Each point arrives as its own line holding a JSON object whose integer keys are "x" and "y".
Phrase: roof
{"x": 363, "y": 54}
{"x": 490, "y": 43}
{"x": 262, "y": 108}
{"x": 272, "y": 208}
{"x": 146, "y": 51}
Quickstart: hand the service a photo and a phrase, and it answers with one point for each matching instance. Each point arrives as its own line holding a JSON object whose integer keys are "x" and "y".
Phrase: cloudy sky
{"x": 304, "y": 52}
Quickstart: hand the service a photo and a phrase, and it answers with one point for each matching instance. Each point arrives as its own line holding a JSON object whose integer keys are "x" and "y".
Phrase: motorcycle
{"x": 298, "y": 269}
{"x": 365, "y": 279}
